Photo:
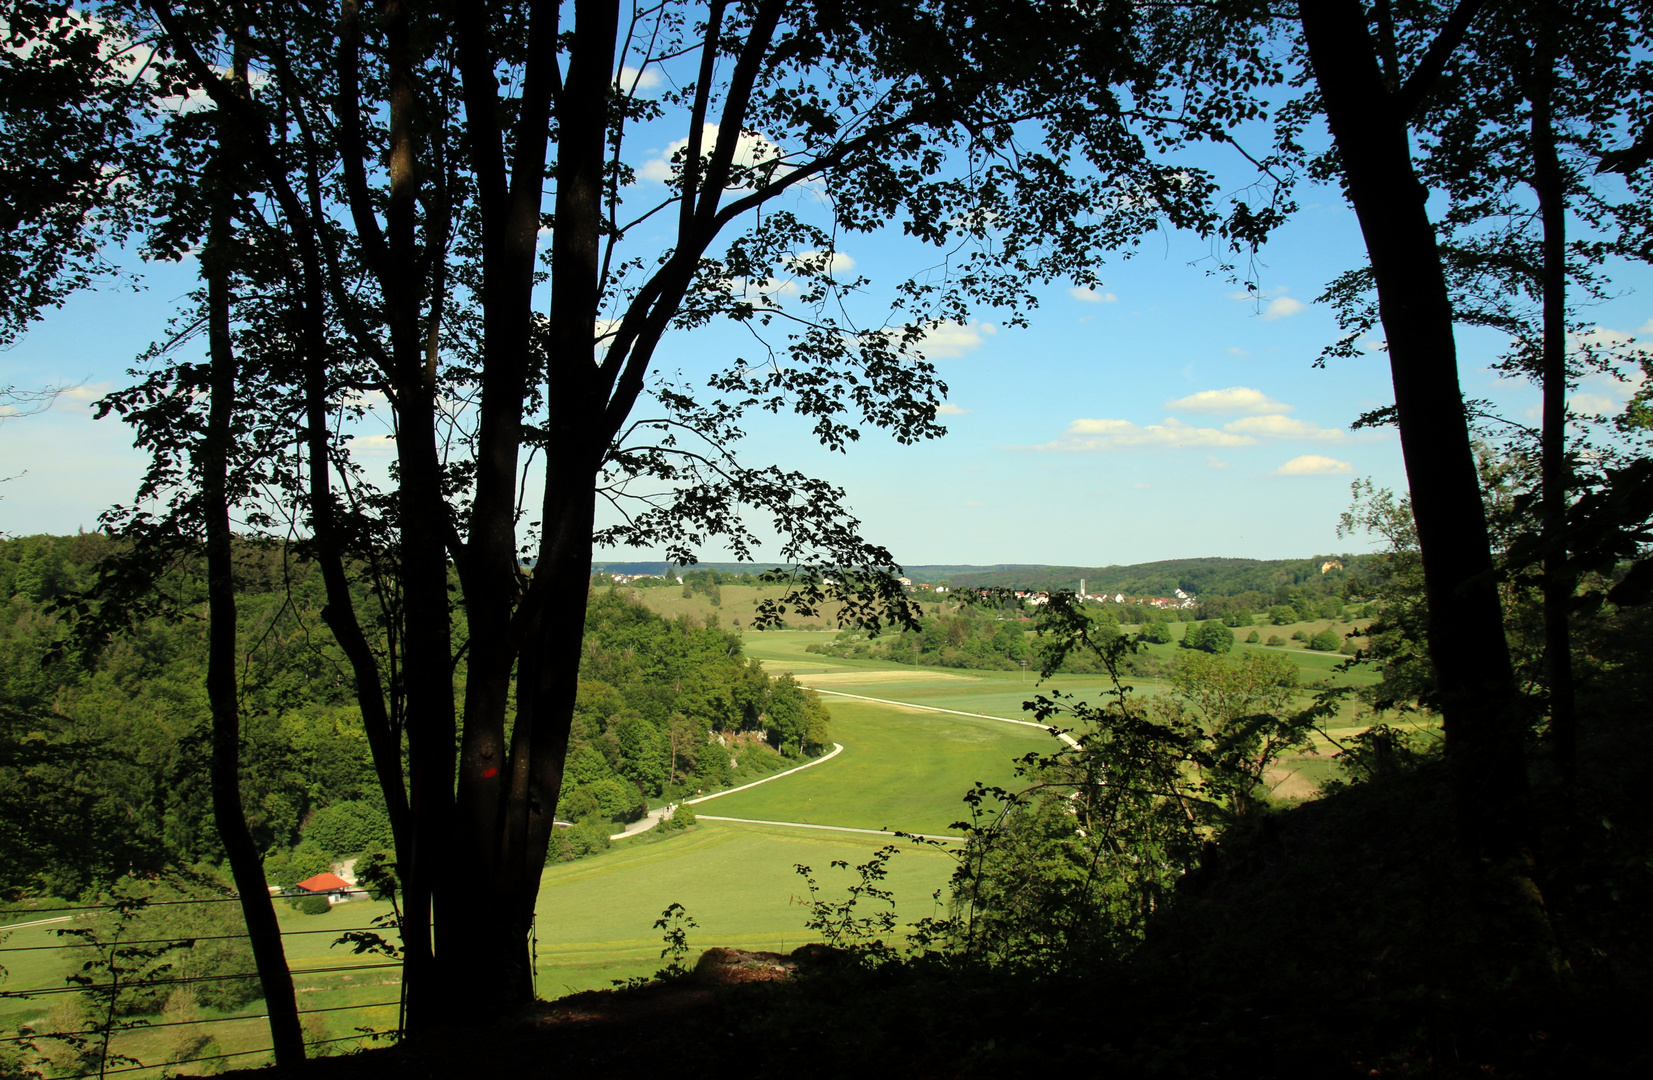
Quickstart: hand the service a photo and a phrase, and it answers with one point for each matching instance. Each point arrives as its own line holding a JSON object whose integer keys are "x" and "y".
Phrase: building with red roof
{"x": 330, "y": 885}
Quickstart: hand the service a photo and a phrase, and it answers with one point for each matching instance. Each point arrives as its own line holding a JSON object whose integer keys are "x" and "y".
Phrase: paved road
{"x": 1064, "y": 736}
{"x": 654, "y": 817}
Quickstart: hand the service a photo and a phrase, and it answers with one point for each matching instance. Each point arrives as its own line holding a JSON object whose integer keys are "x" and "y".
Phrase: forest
{"x": 103, "y": 755}
{"x": 425, "y": 216}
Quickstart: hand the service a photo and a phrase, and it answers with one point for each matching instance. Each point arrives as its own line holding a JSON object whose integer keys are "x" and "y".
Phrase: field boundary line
{"x": 37, "y": 922}
{"x": 837, "y": 748}
{"x": 827, "y": 828}
{"x": 1064, "y": 736}
{"x": 653, "y": 818}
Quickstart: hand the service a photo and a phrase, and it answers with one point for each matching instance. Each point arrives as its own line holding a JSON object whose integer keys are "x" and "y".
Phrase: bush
{"x": 1326, "y": 641}
{"x": 1211, "y": 637}
{"x": 312, "y": 905}
{"x": 288, "y": 868}
{"x": 584, "y": 838}
{"x": 1157, "y": 632}
{"x": 1252, "y": 638}
{"x": 1276, "y": 639}
{"x": 346, "y": 828}
{"x": 682, "y": 817}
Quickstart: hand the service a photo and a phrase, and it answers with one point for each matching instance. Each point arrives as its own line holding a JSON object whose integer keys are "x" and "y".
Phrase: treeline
{"x": 668, "y": 708}
{"x": 104, "y": 745}
{"x": 1198, "y": 577}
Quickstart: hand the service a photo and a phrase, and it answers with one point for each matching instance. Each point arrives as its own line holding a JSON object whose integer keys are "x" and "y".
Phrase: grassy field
{"x": 351, "y": 999}
{"x": 902, "y": 767}
{"x": 596, "y": 916}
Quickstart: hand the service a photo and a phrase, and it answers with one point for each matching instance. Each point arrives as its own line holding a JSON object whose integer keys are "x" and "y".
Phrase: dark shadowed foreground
{"x": 1344, "y": 937}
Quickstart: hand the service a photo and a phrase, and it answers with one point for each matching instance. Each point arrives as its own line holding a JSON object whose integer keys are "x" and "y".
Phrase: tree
{"x": 1526, "y": 111}
{"x": 1369, "y": 104}
{"x": 1210, "y": 636}
{"x": 396, "y": 166}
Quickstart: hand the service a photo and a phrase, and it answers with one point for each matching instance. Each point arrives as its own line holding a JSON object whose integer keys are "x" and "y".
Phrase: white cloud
{"x": 751, "y": 150}
{"x": 1282, "y": 306}
{"x": 1646, "y": 327}
{"x": 1091, "y": 296}
{"x": 1276, "y": 426}
{"x": 1235, "y": 399}
{"x": 631, "y": 81}
{"x": 1142, "y": 487}
{"x": 947, "y": 408}
{"x": 1102, "y": 436}
{"x": 1212, "y": 461}
{"x": 373, "y": 444}
{"x": 1238, "y": 353}
{"x": 1314, "y": 465}
{"x": 818, "y": 262}
{"x": 953, "y": 339}
{"x": 1593, "y": 403}
{"x": 1279, "y": 304}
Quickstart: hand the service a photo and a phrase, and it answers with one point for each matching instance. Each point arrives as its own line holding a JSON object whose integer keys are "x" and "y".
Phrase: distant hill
{"x": 917, "y": 573}
{"x": 1201, "y": 577}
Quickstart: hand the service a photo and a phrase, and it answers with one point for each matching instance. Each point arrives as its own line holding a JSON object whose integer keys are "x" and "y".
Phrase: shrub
{"x": 346, "y": 828}
{"x": 1325, "y": 641}
{"x": 1252, "y": 638}
{"x": 682, "y": 817}
{"x": 312, "y": 905}
{"x": 1211, "y": 637}
{"x": 584, "y": 838}
{"x": 1276, "y": 639}
{"x": 288, "y": 868}
{"x": 1157, "y": 632}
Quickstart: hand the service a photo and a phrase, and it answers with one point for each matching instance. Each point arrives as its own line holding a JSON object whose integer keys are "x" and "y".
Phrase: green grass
{"x": 307, "y": 940}
{"x": 900, "y": 769}
{"x": 596, "y": 916}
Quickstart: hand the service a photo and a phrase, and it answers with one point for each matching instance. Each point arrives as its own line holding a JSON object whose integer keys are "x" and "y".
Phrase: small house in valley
{"x": 335, "y": 888}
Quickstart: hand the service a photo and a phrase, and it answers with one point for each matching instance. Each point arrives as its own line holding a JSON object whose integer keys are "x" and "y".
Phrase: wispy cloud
{"x": 1105, "y": 435}
{"x": 1278, "y": 305}
{"x": 1314, "y": 465}
{"x": 751, "y": 151}
{"x": 1091, "y": 296}
{"x": 630, "y": 80}
{"x": 1235, "y": 399}
{"x": 947, "y": 408}
{"x": 822, "y": 262}
{"x": 1276, "y": 426}
{"x": 954, "y": 339}
{"x": 1282, "y": 306}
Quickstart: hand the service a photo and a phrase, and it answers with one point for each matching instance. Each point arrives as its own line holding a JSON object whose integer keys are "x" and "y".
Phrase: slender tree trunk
{"x": 1550, "y": 187}
{"x": 1479, "y": 705}
{"x": 245, "y": 865}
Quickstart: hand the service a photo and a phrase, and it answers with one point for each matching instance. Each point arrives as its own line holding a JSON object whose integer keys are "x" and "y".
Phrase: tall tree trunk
{"x": 1479, "y": 705}
{"x": 245, "y": 865}
{"x": 1549, "y": 185}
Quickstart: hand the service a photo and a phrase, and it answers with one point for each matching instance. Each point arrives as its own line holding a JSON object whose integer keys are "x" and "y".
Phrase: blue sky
{"x": 1162, "y": 415}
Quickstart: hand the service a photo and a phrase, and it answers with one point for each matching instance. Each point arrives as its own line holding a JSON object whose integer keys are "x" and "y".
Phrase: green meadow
{"x": 903, "y": 767}
{"x": 737, "y": 881}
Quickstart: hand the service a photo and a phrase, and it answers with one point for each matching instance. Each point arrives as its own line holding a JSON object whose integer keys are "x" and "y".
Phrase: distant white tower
{"x": 1081, "y": 586}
